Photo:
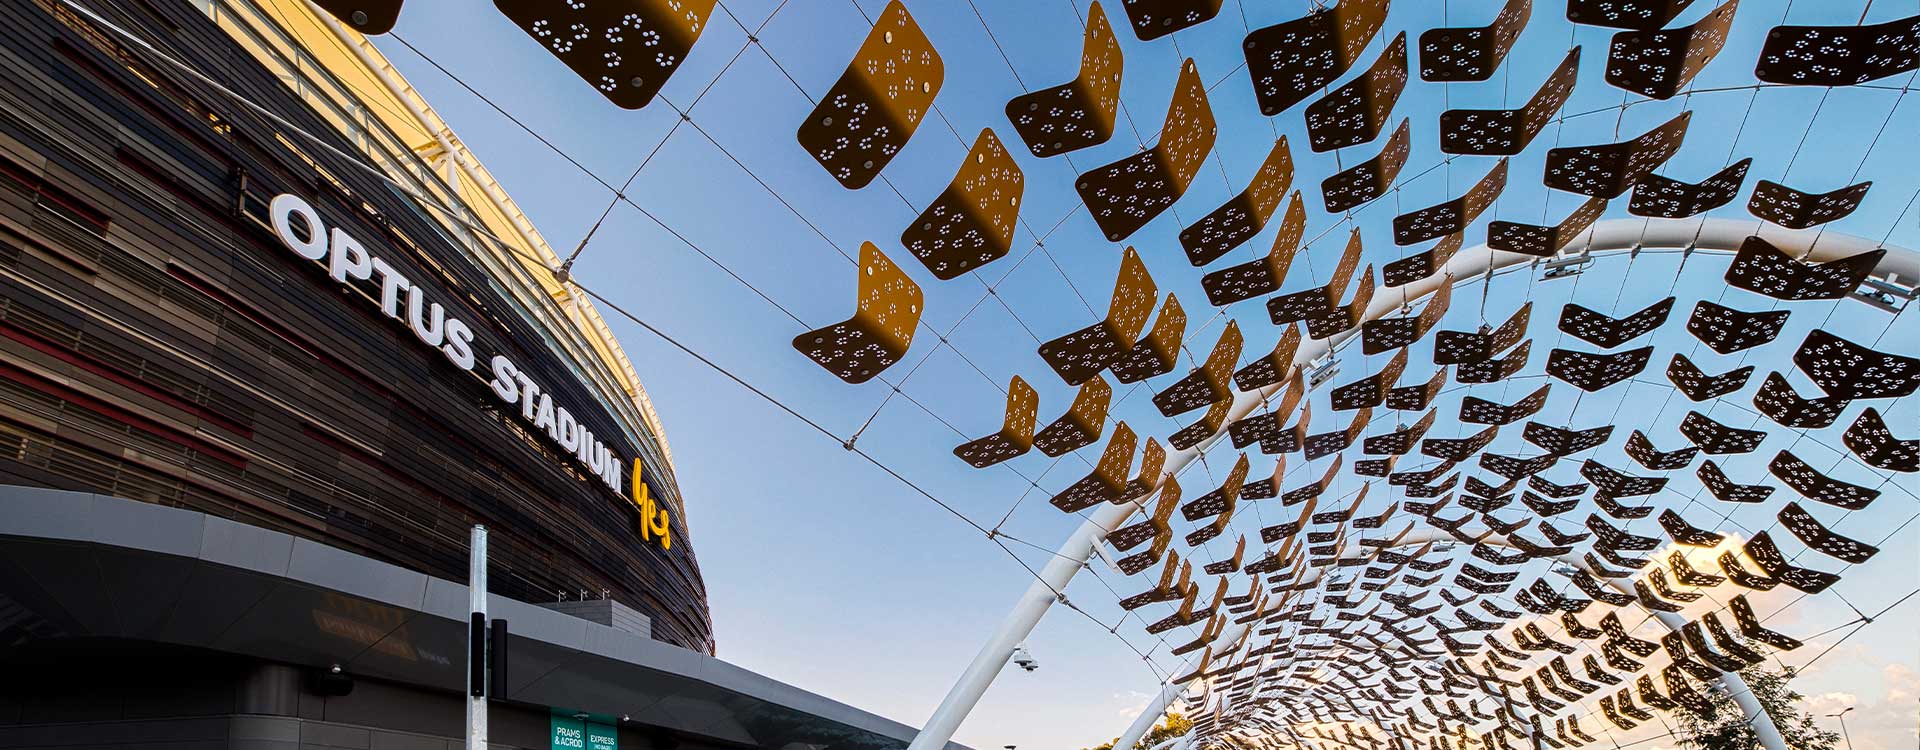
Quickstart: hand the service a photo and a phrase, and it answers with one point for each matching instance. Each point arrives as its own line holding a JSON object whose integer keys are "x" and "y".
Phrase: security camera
{"x": 1023, "y": 659}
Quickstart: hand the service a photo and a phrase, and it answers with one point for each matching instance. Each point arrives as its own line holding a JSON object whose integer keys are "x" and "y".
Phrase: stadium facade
{"x": 271, "y": 342}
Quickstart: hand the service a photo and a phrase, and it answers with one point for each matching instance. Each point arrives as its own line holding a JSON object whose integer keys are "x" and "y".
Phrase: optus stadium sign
{"x": 348, "y": 262}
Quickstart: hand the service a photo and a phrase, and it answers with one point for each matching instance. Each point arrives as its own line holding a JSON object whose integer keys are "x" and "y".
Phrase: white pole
{"x": 476, "y": 652}
{"x": 1170, "y": 692}
{"x": 1723, "y": 235}
{"x": 1757, "y": 717}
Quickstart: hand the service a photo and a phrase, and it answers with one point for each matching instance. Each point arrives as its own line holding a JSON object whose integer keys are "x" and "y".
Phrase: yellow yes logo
{"x": 653, "y": 516}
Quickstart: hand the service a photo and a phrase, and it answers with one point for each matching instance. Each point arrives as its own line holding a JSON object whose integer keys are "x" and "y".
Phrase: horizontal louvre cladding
{"x": 200, "y": 364}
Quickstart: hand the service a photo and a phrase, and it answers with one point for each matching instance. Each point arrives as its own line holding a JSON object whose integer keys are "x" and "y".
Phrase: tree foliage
{"x": 1728, "y": 728}
{"x": 1172, "y": 726}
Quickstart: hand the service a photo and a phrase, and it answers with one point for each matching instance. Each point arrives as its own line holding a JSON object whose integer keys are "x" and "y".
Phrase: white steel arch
{"x": 1900, "y": 265}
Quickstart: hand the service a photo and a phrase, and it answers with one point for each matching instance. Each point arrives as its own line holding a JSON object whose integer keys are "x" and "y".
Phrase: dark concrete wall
{"x": 99, "y": 695}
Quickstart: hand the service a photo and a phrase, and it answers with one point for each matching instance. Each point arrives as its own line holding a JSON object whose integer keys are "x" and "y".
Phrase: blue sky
{"x": 826, "y": 572}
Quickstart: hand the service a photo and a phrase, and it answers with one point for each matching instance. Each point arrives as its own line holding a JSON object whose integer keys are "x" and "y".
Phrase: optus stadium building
{"x": 272, "y": 342}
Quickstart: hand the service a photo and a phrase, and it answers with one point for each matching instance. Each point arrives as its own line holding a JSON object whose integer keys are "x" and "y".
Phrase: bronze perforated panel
{"x": 1079, "y": 113}
{"x": 1291, "y": 60}
{"x": 625, "y": 49}
{"x": 1561, "y": 441}
{"x": 1839, "y": 55}
{"x": 1844, "y": 369}
{"x": 1697, "y": 385}
{"x": 1625, "y": 14}
{"x": 1658, "y": 63}
{"x": 1506, "y": 132}
{"x": 1369, "y": 391}
{"x": 1210, "y": 423}
{"x": 1726, "y": 330}
{"x": 1641, "y": 449}
{"x": 1608, "y": 169}
{"x": 1813, "y": 485}
{"x": 1320, "y": 300}
{"x": 1422, "y": 264}
{"x": 878, "y": 102}
{"x": 1592, "y": 371}
{"x": 1777, "y": 399}
{"x": 1084, "y": 353}
{"x": 1329, "y": 443}
{"x": 1494, "y": 370}
{"x": 1454, "y": 215}
{"x": 971, "y": 223}
{"x": 1262, "y": 276}
{"x": 886, "y": 313}
{"x": 1870, "y": 439}
{"x": 1419, "y": 396}
{"x": 1015, "y": 437}
{"x": 1606, "y": 332}
{"x": 1474, "y": 410}
{"x": 1760, "y": 267}
{"x": 1472, "y": 53}
{"x": 1271, "y": 367}
{"x": 1124, "y": 195}
{"x": 1109, "y": 475}
{"x": 1243, "y": 215}
{"x": 1461, "y": 347}
{"x": 1157, "y": 353}
{"x": 1153, "y": 458}
{"x": 1207, "y": 383}
{"x": 1382, "y": 334}
{"x": 1458, "y": 449}
{"x": 1082, "y": 423}
{"x": 1806, "y": 580}
{"x": 1666, "y": 198}
{"x": 1354, "y": 113}
{"x": 1221, "y": 499}
{"x": 1793, "y": 209}
{"x": 1750, "y": 626}
{"x": 1818, "y": 537}
{"x": 1153, "y": 19}
{"x": 1400, "y": 441}
{"x": 1367, "y": 181}
{"x": 1542, "y": 242}
{"x": 1718, "y": 439}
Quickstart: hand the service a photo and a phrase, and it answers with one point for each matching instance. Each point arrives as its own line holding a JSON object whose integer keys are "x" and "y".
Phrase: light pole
{"x": 1842, "y": 716}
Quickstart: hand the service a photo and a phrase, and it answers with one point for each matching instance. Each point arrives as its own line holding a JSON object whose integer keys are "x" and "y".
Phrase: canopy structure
{"x": 1534, "y": 359}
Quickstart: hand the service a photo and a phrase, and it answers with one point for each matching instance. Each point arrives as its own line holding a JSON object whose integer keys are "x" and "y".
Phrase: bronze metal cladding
{"x": 971, "y": 223}
{"x": 878, "y": 102}
{"x": 886, "y": 314}
{"x": 1472, "y": 53}
{"x": 1506, "y": 132}
{"x": 1291, "y": 60}
{"x": 626, "y": 50}
{"x": 1839, "y": 55}
{"x": 1355, "y": 113}
{"x": 1125, "y": 195}
{"x": 1079, "y": 113}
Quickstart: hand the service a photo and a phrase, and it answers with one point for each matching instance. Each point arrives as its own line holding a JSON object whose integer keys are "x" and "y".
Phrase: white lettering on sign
{"x": 399, "y": 298}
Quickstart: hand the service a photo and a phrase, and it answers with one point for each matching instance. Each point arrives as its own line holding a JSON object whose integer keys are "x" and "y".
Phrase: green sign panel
{"x": 568, "y": 733}
{"x": 602, "y": 737}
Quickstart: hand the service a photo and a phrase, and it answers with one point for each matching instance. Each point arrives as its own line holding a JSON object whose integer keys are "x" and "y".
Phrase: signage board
{"x": 567, "y": 733}
{"x": 349, "y": 262}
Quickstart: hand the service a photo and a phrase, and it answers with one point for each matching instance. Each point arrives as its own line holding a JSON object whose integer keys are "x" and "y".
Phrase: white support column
{"x": 477, "y": 604}
{"x": 1723, "y": 235}
{"x": 1170, "y": 692}
{"x": 1742, "y": 694}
